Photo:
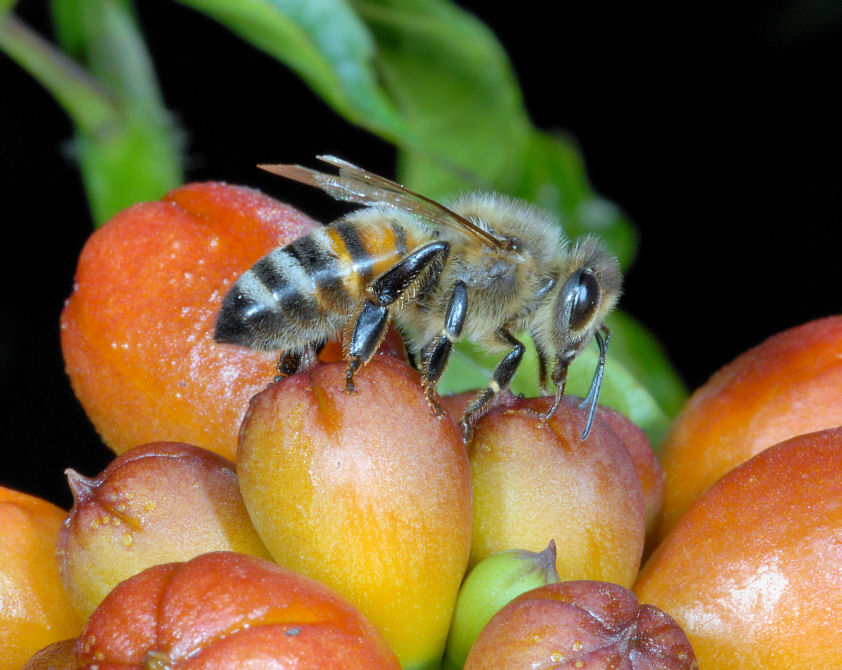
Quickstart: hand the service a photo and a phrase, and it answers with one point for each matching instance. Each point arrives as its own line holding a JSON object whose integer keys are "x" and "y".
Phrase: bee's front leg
{"x": 500, "y": 380}
{"x": 436, "y": 352}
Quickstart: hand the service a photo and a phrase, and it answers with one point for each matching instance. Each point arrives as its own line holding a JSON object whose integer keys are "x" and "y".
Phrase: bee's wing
{"x": 354, "y": 184}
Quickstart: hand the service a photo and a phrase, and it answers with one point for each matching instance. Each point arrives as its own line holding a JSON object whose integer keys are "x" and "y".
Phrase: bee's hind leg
{"x": 369, "y": 330}
{"x": 369, "y": 326}
{"x": 436, "y": 352}
{"x": 500, "y": 380}
{"x": 288, "y": 365}
{"x": 291, "y": 362}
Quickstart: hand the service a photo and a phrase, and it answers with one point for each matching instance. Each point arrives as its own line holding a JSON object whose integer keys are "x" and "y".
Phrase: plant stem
{"x": 85, "y": 101}
{"x": 126, "y": 144}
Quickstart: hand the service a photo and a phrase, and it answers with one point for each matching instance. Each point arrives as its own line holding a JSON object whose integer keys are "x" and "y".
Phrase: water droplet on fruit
{"x": 577, "y": 646}
{"x": 128, "y": 540}
{"x": 556, "y": 657}
{"x": 155, "y": 660}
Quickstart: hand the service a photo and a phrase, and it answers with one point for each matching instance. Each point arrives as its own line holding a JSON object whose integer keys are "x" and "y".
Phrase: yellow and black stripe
{"x": 303, "y": 293}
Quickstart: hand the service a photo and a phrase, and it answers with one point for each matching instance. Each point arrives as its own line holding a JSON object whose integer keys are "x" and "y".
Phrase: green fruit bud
{"x": 492, "y": 584}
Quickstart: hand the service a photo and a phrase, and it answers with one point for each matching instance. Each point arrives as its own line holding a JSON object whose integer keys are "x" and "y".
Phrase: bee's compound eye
{"x": 584, "y": 297}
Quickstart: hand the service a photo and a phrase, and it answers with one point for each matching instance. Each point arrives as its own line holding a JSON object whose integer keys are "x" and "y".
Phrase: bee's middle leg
{"x": 436, "y": 352}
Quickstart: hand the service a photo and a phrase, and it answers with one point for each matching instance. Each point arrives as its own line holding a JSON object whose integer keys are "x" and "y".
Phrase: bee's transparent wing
{"x": 354, "y": 184}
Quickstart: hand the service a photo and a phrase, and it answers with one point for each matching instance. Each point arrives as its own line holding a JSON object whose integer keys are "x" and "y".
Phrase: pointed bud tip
{"x": 546, "y": 558}
{"x": 81, "y": 487}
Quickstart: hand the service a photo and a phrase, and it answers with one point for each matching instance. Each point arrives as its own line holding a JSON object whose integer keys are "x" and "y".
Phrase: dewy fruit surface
{"x": 156, "y": 503}
{"x": 753, "y": 570}
{"x": 788, "y": 385}
{"x": 137, "y": 330}
{"x": 368, "y": 492}
{"x": 34, "y": 609}
{"x": 227, "y": 610}
{"x": 578, "y": 625}
{"x": 536, "y": 481}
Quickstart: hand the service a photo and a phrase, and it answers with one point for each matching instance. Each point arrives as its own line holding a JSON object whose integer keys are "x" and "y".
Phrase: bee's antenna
{"x": 592, "y": 398}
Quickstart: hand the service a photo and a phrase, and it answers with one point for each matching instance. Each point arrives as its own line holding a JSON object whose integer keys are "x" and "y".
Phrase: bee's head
{"x": 589, "y": 292}
{"x": 588, "y": 289}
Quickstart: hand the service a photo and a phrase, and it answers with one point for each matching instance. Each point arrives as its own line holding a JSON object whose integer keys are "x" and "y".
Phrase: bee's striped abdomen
{"x": 369, "y": 250}
{"x": 303, "y": 293}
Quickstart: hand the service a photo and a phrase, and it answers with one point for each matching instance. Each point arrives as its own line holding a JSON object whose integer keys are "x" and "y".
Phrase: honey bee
{"x": 484, "y": 266}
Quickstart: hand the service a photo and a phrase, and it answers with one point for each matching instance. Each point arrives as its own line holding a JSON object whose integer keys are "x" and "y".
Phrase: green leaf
{"x": 129, "y": 164}
{"x": 453, "y": 83}
{"x": 435, "y": 80}
{"x": 454, "y": 86}
{"x": 326, "y": 44}
{"x": 555, "y": 177}
{"x": 84, "y": 100}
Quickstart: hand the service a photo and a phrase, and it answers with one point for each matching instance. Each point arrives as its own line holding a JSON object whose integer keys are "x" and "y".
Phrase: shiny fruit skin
{"x": 752, "y": 570}
{"x": 136, "y": 332}
{"x": 578, "y": 625}
{"x": 227, "y": 610}
{"x": 788, "y": 385}
{"x": 534, "y": 482}
{"x": 156, "y": 503}
{"x": 367, "y": 492}
{"x": 34, "y": 609}
{"x": 648, "y": 468}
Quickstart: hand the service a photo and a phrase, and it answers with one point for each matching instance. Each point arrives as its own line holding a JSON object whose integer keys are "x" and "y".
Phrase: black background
{"x": 714, "y": 127}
